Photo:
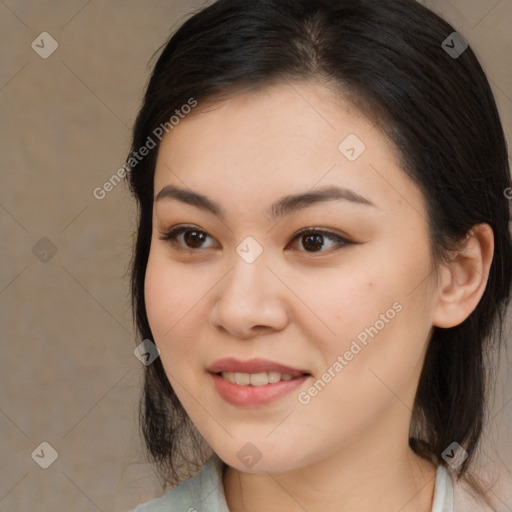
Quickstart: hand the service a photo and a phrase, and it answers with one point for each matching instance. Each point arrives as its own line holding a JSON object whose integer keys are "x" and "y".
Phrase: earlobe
{"x": 463, "y": 280}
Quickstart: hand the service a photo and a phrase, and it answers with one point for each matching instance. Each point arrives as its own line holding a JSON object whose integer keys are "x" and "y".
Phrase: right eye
{"x": 192, "y": 238}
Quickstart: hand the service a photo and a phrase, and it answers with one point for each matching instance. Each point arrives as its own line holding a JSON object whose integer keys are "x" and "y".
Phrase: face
{"x": 336, "y": 317}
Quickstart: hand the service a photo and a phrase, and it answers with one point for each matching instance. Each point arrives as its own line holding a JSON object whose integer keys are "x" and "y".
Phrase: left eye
{"x": 313, "y": 240}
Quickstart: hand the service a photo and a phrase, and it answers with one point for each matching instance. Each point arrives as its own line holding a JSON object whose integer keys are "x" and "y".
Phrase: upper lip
{"x": 231, "y": 364}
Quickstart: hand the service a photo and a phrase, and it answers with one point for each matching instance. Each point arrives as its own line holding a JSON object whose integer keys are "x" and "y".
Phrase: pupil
{"x": 193, "y": 238}
{"x": 316, "y": 244}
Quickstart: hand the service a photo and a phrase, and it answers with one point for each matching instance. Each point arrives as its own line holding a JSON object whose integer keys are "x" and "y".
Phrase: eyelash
{"x": 173, "y": 233}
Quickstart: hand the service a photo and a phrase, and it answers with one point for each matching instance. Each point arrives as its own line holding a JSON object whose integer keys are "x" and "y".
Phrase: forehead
{"x": 308, "y": 118}
{"x": 290, "y": 136}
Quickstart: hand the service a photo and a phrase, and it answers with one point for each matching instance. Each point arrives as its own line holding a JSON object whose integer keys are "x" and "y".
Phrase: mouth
{"x": 256, "y": 382}
{"x": 257, "y": 379}
{"x": 255, "y": 372}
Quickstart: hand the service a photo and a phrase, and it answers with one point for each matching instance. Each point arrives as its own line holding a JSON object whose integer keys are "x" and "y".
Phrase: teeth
{"x": 242, "y": 379}
{"x": 274, "y": 377}
{"x": 255, "y": 379}
{"x": 259, "y": 379}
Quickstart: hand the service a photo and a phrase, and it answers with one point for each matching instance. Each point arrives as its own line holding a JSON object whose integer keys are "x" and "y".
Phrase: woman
{"x": 322, "y": 258}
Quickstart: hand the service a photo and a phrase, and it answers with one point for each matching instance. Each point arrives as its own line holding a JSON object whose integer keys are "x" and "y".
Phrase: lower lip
{"x": 253, "y": 396}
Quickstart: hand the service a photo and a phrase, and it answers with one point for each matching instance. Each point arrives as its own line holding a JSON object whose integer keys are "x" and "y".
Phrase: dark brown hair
{"x": 439, "y": 111}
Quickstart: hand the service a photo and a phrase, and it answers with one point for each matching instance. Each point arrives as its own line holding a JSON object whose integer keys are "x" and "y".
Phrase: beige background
{"x": 68, "y": 375}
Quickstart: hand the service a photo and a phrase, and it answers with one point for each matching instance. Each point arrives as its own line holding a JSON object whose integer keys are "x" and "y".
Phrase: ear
{"x": 463, "y": 280}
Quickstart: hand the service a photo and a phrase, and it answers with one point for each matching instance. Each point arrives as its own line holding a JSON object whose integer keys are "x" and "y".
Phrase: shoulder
{"x": 193, "y": 494}
{"x": 465, "y": 498}
{"x": 454, "y": 495}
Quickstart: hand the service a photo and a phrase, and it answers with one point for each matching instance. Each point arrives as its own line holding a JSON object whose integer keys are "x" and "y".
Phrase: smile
{"x": 257, "y": 394}
{"x": 255, "y": 379}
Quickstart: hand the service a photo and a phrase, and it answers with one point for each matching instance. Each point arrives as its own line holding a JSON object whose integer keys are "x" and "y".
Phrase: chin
{"x": 251, "y": 459}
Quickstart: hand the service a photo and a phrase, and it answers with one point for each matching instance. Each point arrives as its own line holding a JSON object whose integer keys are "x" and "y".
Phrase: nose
{"x": 250, "y": 300}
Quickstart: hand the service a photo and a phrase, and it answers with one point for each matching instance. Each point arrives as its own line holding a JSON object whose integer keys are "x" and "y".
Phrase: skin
{"x": 300, "y": 307}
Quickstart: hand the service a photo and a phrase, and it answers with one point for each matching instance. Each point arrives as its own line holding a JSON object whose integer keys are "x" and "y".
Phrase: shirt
{"x": 205, "y": 493}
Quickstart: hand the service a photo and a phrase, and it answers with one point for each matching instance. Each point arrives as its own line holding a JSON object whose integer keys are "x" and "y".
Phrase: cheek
{"x": 161, "y": 304}
{"x": 337, "y": 304}
{"x": 375, "y": 316}
{"x": 178, "y": 298}
{"x": 169, "y": 297}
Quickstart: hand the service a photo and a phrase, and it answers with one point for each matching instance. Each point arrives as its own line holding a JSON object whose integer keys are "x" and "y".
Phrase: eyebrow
{"x": 277, "y": 210}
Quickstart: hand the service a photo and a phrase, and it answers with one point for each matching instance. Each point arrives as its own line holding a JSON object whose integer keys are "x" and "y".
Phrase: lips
{"x": 233, "y": 365}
